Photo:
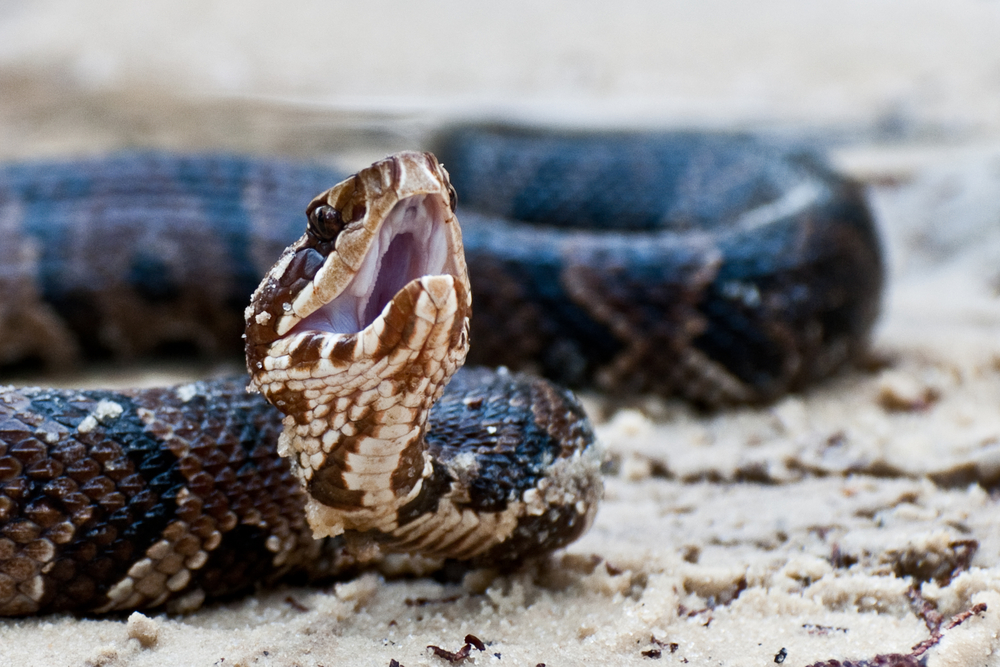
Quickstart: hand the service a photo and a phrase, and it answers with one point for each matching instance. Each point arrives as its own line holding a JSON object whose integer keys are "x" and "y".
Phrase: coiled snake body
{"x": 768, "y": 279}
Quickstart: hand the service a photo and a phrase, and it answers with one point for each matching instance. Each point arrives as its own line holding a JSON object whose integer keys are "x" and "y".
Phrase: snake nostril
{"x": 358, "y": 211}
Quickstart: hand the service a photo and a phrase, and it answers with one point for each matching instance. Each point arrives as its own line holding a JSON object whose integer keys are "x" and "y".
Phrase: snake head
{"x": 381, "y": 258}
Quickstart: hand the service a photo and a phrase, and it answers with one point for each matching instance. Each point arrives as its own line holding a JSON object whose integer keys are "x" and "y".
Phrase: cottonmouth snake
{"x": 767, "y": 278}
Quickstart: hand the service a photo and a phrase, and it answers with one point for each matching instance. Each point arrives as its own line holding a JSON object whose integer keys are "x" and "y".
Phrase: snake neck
{"x": 359, "y": 447}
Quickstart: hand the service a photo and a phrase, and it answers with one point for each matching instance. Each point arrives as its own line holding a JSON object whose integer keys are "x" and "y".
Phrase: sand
{"x": 855, "y": 519}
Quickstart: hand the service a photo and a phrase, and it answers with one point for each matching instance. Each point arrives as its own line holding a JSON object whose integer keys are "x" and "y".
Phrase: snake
{"x": 717, "y": 267}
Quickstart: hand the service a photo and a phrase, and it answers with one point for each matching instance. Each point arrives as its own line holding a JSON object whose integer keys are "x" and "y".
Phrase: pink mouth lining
{"x": 411, "y": 243}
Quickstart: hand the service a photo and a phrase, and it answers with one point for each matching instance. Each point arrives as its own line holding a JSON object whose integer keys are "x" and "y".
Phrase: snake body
{"x": 769, "y": 279}
{"x": 716, "y": 267}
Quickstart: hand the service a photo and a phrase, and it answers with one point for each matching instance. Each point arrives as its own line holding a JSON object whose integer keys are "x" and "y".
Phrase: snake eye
{"x": 325, "y": 222}
{"x": 452, "y": 197}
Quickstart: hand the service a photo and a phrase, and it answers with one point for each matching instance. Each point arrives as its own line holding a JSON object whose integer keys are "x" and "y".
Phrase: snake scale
{"x": 718, "y": 267}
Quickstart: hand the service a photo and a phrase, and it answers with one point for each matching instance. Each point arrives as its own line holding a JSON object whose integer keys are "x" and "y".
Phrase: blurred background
{"x": 889, "y": 84}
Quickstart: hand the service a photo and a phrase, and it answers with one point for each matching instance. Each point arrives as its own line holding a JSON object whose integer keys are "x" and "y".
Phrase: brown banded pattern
{"x": 168, "y": 497}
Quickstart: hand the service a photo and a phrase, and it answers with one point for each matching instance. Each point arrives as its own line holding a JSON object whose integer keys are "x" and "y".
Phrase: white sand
{"x": 813, "y": 526}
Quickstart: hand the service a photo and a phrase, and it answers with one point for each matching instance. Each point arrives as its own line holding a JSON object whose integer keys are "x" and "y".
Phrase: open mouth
{"x": 411, "y": 243}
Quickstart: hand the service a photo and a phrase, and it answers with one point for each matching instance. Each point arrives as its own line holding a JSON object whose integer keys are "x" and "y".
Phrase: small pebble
{"x": 636, "y": 469}
{"x": 901, "y": 392}
{"x": 143, "y": 628}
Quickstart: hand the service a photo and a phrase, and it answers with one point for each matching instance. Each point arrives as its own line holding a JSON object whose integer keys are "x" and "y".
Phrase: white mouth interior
{"x": 411, "y": 243}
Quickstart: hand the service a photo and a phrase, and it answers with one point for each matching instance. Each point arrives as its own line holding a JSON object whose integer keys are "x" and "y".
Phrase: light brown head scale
{"x": 355, "y": 332}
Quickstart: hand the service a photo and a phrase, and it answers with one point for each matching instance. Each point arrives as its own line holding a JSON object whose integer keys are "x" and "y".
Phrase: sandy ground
{"x": 853, "y": 520}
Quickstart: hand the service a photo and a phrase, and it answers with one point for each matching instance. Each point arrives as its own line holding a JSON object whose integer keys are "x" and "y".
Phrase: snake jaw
{"x": 395, "y": 225}
{"x": 411, "y": 243}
